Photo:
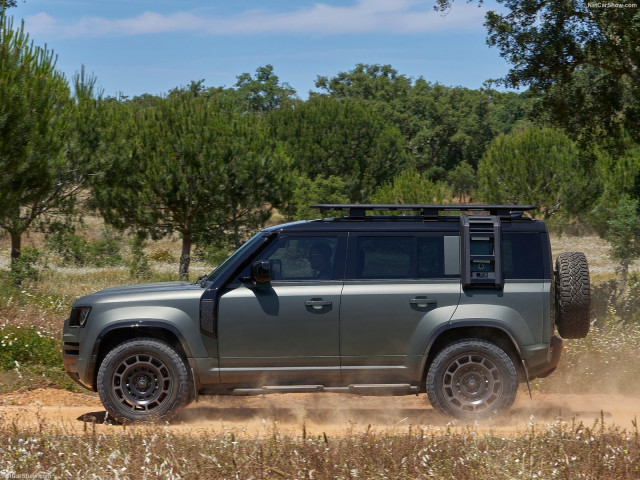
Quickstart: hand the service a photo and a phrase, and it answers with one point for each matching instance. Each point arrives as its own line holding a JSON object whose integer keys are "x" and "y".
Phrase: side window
{"x": 302, "y": 258}
{"x": 385, "y": 257}
{"x": 522, "y": 256}
{"x": 410, "y": 257}
{"x": 431, "y": 257}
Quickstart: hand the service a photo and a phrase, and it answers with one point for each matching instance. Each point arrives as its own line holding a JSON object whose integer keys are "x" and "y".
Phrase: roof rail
{"x": 426, "y": 211}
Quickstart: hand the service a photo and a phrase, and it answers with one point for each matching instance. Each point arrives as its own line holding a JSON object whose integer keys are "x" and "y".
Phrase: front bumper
{"x": 70, "y": 356}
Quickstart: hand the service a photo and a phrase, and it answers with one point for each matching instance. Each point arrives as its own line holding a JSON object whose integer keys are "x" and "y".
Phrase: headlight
{"x": 79, "y": 316}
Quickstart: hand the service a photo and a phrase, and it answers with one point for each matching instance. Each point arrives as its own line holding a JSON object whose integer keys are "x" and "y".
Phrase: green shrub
{"x": 139, "y": 264}
{"x": 161, "y": 255}
{"x": 78, "y": 251}
{"x": 23, "y": 268}
{"x": 27, "y": 346}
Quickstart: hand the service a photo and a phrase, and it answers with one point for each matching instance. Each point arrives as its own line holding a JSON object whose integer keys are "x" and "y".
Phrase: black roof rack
{"x": 426, "y": 211}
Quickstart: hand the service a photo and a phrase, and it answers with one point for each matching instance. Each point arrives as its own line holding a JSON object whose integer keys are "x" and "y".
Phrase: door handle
{"x": 318, "y": 303}
{"x": 423, "y": 301}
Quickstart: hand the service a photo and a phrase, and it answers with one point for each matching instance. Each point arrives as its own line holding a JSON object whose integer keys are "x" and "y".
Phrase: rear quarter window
{"x": 522, "y": 256}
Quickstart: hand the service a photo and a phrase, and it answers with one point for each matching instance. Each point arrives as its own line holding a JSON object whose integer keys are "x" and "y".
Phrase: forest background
{"x": 210, "y": 165}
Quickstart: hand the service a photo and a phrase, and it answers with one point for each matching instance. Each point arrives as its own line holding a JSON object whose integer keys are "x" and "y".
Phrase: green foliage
{"x": 27, "y": 346}
{"x": 76, "y": 250}
{"x": 188, "y": 164}
{"x": 310, "y": 192}
{"x": 344, "y": 138}
{"x": 410, "y": 187}
{"x": 538, "y": 166}
{"x": 581, "y": 55}
{"x": 442, "y": 126}
{"x": 616, "y": 177}
{"x": 263, "y": 92}
{"x": 139, "y": 264}
{"x": 463, "y": 180}
{"x": 24, "y": 267}
{"x": 623, "y": 235}
{"x": 37, "y": 175}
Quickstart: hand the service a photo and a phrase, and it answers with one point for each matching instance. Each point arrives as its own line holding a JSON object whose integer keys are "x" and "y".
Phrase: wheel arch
{"x": 494, "y": 333}
{"x": 120, "y": 332}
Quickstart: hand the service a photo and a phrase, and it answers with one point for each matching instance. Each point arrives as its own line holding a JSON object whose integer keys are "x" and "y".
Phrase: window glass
{"x": 522, "y": 256}
{"x": 385, "y": 257}
{"x": 302, "y": 258}
{"x": 431, "y": 257}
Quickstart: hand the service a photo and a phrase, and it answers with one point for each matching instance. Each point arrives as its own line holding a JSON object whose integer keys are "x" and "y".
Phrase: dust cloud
{"x": 315, "y": 415}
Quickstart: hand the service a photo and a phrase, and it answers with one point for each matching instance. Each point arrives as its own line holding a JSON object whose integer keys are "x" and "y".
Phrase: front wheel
{"x": 143, "y": 380}
{"x": 472, "y": 379}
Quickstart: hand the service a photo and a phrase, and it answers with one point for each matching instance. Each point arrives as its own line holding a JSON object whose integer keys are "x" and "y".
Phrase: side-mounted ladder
{"x": 480, "y": 251}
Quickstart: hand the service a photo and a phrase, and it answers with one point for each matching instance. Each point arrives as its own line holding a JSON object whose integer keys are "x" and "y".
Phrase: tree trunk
{"x": 16, "y": 245}
{"x": 185, "y": 257}
{"x": 624, "y": 275}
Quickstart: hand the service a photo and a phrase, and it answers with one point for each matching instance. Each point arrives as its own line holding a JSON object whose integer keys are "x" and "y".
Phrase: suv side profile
{"x": 456, "y": 301}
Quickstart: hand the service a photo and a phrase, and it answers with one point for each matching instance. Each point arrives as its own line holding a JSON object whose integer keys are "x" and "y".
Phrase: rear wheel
{"x": 143, "y": 380}
{"x": 472, "y": 379}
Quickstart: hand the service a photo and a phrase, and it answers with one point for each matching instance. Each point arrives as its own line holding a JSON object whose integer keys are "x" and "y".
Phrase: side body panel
{"x": 385, "y": 327}
{"x": 271, "y": 334}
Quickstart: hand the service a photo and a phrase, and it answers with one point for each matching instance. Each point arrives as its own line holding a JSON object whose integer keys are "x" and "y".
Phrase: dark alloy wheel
{"x": 472, "y": 379}
{"x": 143, "y": 380}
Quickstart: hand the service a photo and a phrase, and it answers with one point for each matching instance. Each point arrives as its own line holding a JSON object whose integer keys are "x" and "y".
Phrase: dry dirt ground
{"x": 331, "y": 414}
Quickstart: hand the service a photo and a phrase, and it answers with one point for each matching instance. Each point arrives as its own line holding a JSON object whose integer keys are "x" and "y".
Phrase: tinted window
{"x": 522, "y": 256}
{"x": 398, "y": 257}
{"x": 431, "y": 257}
{"x": 385, "y": 257}
{"x": 302, "y": 258}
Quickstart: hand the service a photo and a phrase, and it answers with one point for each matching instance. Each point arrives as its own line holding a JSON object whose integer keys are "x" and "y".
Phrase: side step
{"x": 357, "y": 389}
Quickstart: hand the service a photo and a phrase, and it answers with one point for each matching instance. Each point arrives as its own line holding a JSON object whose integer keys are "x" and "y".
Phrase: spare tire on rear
{"x": 573, "y": 297}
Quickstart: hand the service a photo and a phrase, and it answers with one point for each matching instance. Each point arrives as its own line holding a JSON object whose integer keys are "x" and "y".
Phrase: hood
{"x": 148, "y": 288}
{"x": 147, "y": 292}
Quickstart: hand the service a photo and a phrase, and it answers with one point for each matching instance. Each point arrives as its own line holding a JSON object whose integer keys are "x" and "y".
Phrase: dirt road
{"x": 331, "y": 414}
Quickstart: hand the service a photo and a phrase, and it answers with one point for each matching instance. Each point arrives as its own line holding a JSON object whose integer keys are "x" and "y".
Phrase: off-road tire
{"x": 472, "y": 379}
{"x": 572, "y": 297}
{"x": 144, "y": 380}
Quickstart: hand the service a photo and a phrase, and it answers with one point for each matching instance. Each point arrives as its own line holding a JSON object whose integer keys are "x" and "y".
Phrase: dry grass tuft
{"x": 557, "y": 450}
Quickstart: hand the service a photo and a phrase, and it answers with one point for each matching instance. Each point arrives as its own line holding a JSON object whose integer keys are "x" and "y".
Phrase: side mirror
{"x": 261, "y": 271}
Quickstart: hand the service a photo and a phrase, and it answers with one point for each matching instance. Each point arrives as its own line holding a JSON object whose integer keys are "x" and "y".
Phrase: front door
{"x": 287, "y": 331}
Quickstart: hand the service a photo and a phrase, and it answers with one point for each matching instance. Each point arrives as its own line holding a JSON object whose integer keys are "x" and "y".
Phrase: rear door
{"x": 398, "y": 289}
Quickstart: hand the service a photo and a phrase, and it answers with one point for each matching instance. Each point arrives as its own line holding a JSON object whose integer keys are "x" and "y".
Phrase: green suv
{"x": 458, "y": 301}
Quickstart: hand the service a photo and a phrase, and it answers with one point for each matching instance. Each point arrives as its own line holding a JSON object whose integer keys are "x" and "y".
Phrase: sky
{"x": 135, "y": 47}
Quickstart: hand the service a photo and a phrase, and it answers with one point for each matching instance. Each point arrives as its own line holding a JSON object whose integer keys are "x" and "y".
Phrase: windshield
{"x": 220, "y": 268}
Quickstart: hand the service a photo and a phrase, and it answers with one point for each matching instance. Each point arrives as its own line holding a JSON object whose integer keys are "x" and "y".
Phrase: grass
{"x": 605, "y": 361}
{"x": 560, "y": 450}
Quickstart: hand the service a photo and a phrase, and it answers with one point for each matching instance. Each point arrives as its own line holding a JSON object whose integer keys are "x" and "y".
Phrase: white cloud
{"x": 363, "y": 16}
